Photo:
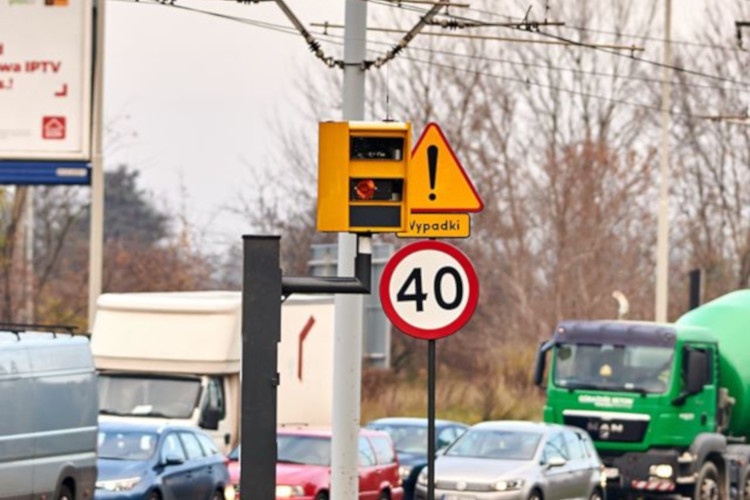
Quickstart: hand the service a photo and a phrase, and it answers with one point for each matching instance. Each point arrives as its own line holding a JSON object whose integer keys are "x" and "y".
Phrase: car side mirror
{"x": 173, "y": 459}
{"x": 557, "y": 461}
{"x": 210, "y": 418}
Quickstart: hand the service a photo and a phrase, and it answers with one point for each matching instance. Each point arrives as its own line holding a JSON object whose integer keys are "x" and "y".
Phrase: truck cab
{"x": 171, "y": 357}
{"x": 176, "y": 356}
{"x": 183, "y": 399}
{"x": 645, "y": 392}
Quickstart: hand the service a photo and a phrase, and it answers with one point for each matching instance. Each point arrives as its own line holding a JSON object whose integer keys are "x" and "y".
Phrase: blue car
{"x": 409, "y": 436}
{"x": 159, "y": 462}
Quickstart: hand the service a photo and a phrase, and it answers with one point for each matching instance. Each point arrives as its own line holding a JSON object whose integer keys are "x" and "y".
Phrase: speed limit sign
{"x": 429, "y": 289}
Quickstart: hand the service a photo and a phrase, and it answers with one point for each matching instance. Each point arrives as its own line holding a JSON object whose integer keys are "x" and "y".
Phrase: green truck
{"x": 667, "y": 404}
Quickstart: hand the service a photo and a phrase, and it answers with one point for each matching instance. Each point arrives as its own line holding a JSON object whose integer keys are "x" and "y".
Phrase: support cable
{"x": 312, "y": 43}
{"x": 409, "y": 36}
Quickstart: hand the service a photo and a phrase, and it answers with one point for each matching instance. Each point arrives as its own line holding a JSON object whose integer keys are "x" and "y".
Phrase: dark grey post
{"x": 261, "y": 332}
{"x": 696, "y": 288}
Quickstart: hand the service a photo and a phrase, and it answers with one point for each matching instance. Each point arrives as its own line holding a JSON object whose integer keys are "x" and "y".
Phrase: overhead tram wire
{"x": 331, "y": 39}
{"x": 617, "y": 53}
{"x": 655, "y": 63}
{"x": 741, "y": 89}
{"x": 484, "y": 37}
{"x": 258, "y": 24}
{"x": 605, "y": 32}
{"x": 291, "y": 31}
{"x": 526, "y": 82}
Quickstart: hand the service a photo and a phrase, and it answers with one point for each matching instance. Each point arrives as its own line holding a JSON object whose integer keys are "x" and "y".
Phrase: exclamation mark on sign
{"x": 432, "y": 156}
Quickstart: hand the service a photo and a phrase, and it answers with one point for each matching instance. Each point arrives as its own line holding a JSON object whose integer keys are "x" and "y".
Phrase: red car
{"x": 303, "y": 470}
{"x": 233, "y": 466}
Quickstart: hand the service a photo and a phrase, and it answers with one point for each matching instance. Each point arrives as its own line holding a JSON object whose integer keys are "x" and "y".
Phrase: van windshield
{"x": 144, "y": 396}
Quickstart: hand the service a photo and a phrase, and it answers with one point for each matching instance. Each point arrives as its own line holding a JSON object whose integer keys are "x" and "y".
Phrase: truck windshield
{"x": 148, "y": 396}
{"x": 631, "y": 368}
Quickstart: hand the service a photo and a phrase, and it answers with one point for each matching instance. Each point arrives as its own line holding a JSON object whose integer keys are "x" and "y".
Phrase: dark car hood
{"x": 411, "y": 459}
{"x": 119, "y": 469}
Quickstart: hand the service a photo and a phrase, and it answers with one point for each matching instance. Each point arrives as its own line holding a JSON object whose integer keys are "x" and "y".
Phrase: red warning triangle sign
{"x": 436, "y": 181}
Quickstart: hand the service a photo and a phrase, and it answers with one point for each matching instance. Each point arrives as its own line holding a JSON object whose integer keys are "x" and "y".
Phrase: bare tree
{"x": 712, "y": 185}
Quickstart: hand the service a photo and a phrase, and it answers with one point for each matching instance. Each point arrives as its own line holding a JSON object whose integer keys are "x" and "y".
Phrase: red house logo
{"x": 53, "y": 127}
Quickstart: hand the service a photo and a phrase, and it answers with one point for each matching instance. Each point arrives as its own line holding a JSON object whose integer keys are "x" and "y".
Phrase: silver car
{"x": 508, "y": 460}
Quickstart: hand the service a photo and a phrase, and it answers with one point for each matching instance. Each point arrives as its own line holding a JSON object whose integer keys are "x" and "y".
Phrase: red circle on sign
{"x": 429, "y": 254}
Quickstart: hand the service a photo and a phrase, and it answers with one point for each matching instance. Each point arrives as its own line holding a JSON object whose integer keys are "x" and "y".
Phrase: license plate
{"x": 458, "y": 497}
{"x": 612, "y": 472}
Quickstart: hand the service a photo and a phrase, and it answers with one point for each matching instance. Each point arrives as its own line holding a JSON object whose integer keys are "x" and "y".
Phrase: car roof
{"x": 155, "y": 427}
{"x": 522, "y": 426}
{"x": 322, "y": 431}
{"x": 413, "y": 421}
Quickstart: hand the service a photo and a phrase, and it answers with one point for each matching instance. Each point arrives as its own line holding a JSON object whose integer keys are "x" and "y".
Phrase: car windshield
{"x": 406, "y": 438}
{"x": 307, "y": 450}
{"x": 631, "y": 368}
{"x": 496, "y": 444}
{"x": 148, "y": 396}
{"x": 126, "y": 445}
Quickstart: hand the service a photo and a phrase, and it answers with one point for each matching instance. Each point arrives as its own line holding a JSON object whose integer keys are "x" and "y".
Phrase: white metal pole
{"x": 96, "y": 232}
{"x": 662, "y": 244}
{"x": 347, "y": 351}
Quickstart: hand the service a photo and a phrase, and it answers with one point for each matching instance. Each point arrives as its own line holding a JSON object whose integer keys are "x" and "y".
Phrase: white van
{"x": 48, "y": 416}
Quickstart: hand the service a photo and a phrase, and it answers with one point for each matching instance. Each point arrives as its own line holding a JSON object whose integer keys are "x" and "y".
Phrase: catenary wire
{"x": 605, "y": 50}
{"x": 527, "y": 82}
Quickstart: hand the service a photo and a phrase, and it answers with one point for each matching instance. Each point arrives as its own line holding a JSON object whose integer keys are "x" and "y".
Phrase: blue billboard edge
{"x": 45, "y": 172}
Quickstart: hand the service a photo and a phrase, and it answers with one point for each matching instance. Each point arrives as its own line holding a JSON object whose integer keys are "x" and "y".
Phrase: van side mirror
{"x": 541, "y": 362}
{"x": 556, "y": 461}
{"x": 210, "y": 418}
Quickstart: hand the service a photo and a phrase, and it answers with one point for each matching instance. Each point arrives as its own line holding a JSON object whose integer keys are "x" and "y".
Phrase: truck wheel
{"x": 707, "y": 483}
{"x": 321, "y": 496}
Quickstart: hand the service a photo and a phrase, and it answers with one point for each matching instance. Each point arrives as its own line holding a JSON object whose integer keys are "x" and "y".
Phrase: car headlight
{"x": 286, "y": 491}
{"x": 422, "y": 478}
{"x": 230, "y": 493}
{"x": 404, "y": 471}
{"x": 662, "y": 471}
{"x": 508, "y": 484}
{"x": 118, "y": 484}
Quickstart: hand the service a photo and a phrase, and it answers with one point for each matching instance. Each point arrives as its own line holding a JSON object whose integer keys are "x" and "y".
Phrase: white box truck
{"x": 176, "y": 356}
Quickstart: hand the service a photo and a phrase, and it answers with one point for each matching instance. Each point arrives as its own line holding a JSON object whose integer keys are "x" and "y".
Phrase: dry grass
{"x": 491, "y": 391}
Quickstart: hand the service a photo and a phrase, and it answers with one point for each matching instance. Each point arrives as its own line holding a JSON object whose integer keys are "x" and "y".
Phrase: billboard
{"x": 46, "y": 73}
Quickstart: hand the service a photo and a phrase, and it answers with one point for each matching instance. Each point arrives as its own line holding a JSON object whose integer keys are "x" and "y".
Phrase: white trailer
{"x": 176, "y": 356}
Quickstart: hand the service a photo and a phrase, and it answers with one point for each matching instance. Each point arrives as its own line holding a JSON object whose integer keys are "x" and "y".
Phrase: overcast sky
{"x": 190, "y": 95}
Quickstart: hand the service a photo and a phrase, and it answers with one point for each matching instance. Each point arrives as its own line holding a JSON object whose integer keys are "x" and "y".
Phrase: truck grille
{"x": 614, "y": 430}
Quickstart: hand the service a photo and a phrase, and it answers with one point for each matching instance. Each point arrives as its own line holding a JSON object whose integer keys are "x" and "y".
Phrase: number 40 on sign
{"x": 429, "y": 289}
